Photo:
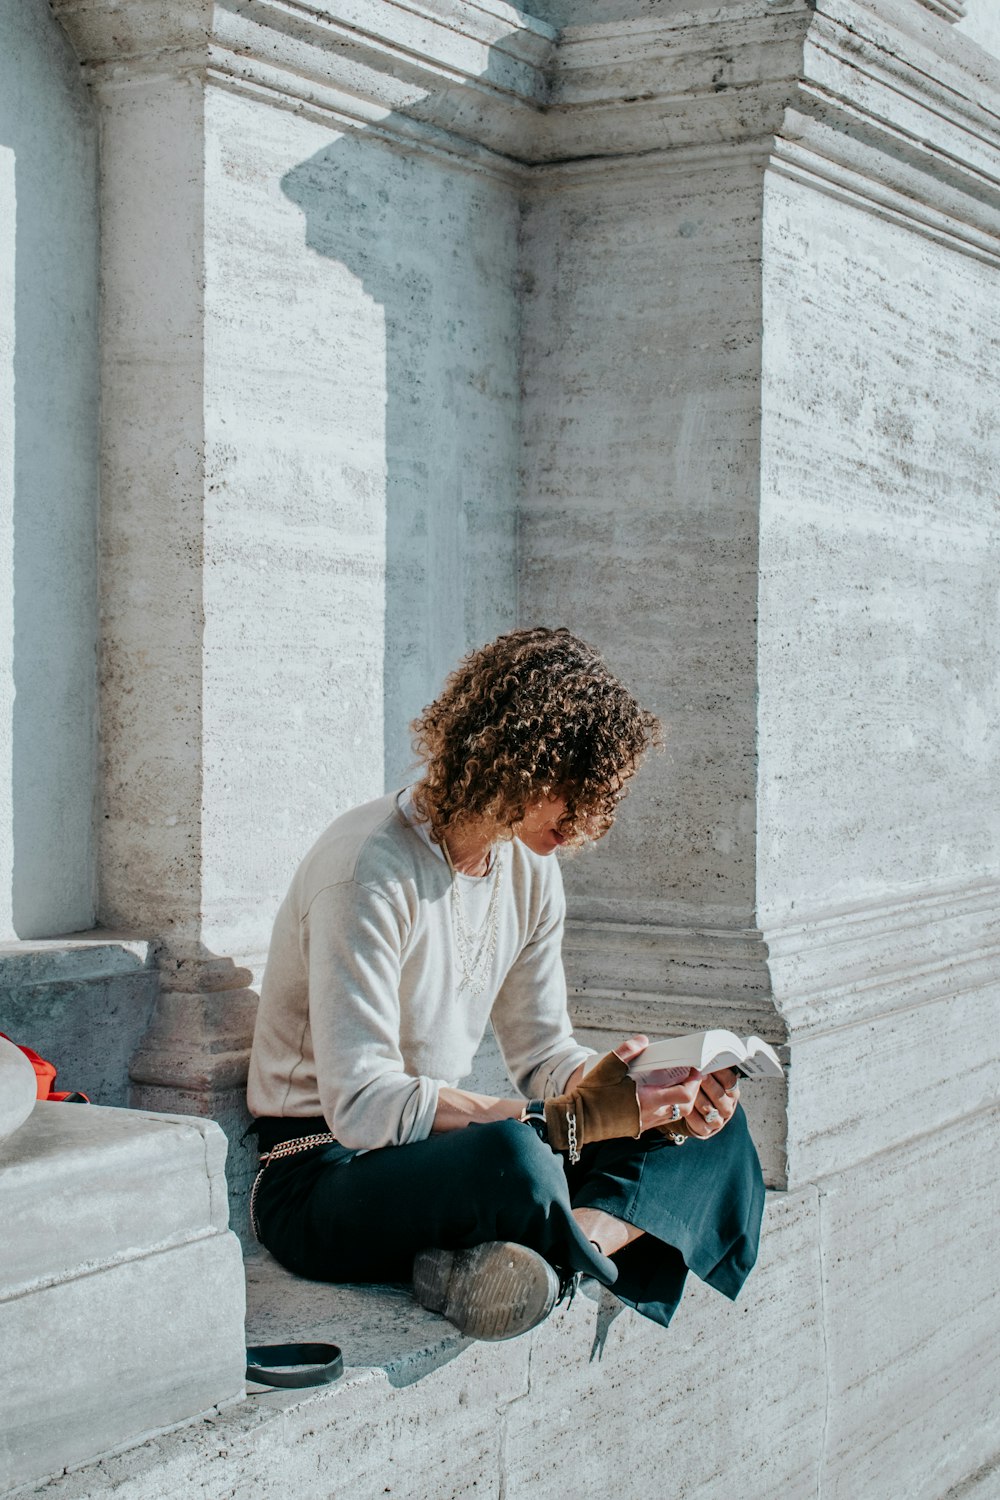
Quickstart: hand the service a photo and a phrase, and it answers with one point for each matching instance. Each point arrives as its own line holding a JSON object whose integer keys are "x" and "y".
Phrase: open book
{"x": 708, "y": 1052}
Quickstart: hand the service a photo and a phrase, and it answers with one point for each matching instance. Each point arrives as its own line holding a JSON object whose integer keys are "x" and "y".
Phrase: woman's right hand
{"x": 658, "y": 1103}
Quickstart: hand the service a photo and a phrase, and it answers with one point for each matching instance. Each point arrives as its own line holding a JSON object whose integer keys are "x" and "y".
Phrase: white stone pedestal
{"x": 121, "y": 1290}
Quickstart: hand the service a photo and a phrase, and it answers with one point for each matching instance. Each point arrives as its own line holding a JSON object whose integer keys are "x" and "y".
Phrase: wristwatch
{"x": 533, "y": 1114}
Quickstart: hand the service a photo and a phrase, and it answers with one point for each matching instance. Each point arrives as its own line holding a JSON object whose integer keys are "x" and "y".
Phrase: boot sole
{"x": 494, "y": 1291}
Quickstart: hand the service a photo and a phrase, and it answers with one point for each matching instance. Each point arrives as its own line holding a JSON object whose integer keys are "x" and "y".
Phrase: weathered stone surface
{"x": 710, "y": 1399}
{"x": 72, "y": 1178}
{"x": 301, "y": 475}
{"x": 150, "y": 1342}
{"x": 746, "y": 308}
{"x": 911, "y": 1316}
{"x": 363, "y": 446}
{"x": 422, "y": 1412}
{"x": 49, "y": 402}
{"x": 860, "y": 1360}
{"x": 926, "y": 1067}
{"x": 83, "y": 1003}
{"x": 879, "y": 557}
{"x": 121, "y": 1297}
{"x": 639, "y": 507}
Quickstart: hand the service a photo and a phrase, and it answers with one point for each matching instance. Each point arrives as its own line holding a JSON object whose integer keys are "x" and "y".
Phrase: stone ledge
{"x": 821, "y": 1379}
{"x": 121, "y": 1294}
{"x": 78, "y": 955}
{"x": 423, "y": 1414}
{"x": 71, "y": 1179}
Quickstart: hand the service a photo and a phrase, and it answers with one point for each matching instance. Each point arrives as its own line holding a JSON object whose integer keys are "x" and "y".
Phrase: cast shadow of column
{"x": 435, "y": 248}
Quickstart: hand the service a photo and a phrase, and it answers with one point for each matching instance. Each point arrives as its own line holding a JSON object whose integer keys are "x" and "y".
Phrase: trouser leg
{"x": 699, "y": 1205}
{"x": 364, "y": 1218}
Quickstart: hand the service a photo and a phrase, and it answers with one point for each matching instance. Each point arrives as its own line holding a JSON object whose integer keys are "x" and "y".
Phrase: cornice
{"x": 487, "y": 38}
{"x": 884, "y": 118}
{"x": 469, "y": 77}
{"x": 871, "y": 100}
{"x": 722, "y": 76}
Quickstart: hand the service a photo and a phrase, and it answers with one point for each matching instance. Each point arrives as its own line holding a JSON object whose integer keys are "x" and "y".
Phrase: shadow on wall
{"x": 435, "y": 248}
{"x": 84, "y": 1006}
{"x": 47, "y": 121}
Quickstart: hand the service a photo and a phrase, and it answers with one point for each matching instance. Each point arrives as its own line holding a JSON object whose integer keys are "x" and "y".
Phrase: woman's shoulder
{"x": 371, "y": 846}
{"x": 334, "y": 858}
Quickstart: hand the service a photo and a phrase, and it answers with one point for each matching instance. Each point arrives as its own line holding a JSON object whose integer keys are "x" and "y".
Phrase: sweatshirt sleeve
{"x": 530, "y": 1015}
{"x": 352, "y": 940}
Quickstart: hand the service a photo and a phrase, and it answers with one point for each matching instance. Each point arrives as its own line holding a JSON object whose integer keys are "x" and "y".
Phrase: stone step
{"x": 121, "y": 1287}
{"x": 595, "y": 1402}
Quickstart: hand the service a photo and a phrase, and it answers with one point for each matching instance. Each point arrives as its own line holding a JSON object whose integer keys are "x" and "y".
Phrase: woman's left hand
{"x": 715, "y": 1104}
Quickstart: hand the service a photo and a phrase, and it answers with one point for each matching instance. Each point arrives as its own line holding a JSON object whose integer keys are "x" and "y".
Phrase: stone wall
{"x": 675, "y": 328}
{"x": 981, "y": 23}
{"x": 361, "y": 476}
{"x": 49, "y": 397}
{"x": 641, "y": 432}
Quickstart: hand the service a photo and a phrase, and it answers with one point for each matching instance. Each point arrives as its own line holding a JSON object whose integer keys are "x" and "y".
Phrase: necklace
{"x": 475, "y": 950}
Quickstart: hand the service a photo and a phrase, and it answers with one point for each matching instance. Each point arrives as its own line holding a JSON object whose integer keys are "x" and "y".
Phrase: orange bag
{"x": 45, "y": 1077}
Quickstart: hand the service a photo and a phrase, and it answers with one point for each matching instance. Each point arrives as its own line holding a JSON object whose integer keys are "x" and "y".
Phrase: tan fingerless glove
{"x": 604, "y": 1106}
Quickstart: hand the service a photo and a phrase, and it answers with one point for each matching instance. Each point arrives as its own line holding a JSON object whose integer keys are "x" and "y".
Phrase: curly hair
{"x": 535, "y": 712}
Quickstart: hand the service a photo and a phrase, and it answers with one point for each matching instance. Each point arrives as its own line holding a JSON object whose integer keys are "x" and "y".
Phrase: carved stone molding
{"x": 948, "y": 10}
{"x": 833, "y": 970}
{"x": 666, "y": 977}
{"x": 470, "y": 80}
{"x": 853, "y": 967}
{"x": 901, "y": 999}
{"x": 853, "y": 98}
{"x": 872, "y": 993}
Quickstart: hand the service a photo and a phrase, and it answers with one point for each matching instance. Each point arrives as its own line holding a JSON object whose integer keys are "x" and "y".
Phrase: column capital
{"x": 470, "y": 78}
{"x": 861, "y": 98}
{"x": 108, "y": 34}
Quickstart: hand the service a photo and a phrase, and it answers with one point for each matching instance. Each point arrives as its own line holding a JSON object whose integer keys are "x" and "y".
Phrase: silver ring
{"x": 675, "y": 1113}
{"x": 712, "y": 1116}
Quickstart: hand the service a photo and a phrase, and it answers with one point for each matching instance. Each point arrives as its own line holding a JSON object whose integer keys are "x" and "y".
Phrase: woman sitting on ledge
{"x": 411, "y": 923}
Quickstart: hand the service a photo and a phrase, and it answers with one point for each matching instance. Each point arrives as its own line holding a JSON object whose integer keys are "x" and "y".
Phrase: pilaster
{"x": 253, "y": 350}
{"x": 728, "y": 192}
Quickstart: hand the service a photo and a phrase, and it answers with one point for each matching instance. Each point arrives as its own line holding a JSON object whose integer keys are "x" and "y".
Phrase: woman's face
{"x": 539, "y": 828}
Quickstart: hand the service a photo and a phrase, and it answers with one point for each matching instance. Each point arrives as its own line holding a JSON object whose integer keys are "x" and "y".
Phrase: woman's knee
{"x": 515, "y": 1156}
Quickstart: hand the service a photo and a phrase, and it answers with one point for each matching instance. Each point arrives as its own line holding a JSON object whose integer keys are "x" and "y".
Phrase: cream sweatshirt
{"x": 363, "y": 1014}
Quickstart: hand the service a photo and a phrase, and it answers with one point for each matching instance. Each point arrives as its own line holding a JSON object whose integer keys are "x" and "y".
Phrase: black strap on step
{"x": 269, "y": 1364}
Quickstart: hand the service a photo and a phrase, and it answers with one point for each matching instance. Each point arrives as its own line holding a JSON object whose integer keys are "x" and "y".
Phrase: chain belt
{"x": 284, "y": 1148}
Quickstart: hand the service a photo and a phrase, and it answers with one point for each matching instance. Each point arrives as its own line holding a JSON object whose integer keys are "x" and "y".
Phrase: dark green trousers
{"x": 337, "y": 1215}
